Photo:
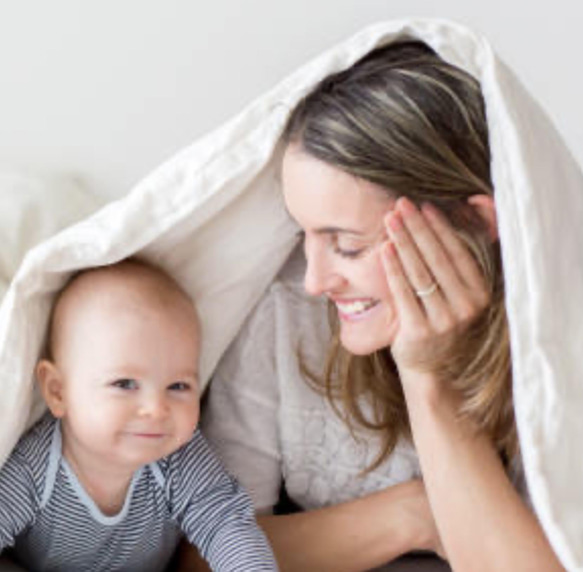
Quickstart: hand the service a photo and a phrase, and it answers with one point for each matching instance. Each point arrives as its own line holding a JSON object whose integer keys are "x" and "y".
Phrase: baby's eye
{"x": 124, "y": 383}
{"x": 180, "y": 386}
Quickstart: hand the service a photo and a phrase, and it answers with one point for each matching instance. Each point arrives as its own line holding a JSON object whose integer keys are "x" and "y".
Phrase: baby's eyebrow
{"x": 188, "y": 374}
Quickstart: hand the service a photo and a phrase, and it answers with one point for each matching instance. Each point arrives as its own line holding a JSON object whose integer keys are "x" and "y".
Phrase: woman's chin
{"x": 366, "y": 336}
{"x": 365, "y": 342}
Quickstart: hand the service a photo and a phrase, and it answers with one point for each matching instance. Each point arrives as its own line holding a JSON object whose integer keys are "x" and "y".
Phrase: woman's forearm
{"x": 353, "y": 536}
{"x": 483, "y": 523}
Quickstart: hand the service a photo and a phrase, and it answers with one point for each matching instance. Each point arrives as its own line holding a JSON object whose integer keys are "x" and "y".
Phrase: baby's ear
{"x": 485, "y": 207}
{"x": 51, "y": 385}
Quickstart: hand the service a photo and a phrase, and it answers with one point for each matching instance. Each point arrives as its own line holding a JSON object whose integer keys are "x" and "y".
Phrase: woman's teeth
{"x": 356, "y": 307}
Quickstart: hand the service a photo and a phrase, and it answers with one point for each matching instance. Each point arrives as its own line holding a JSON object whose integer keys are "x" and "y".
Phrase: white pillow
{"x": 32, "y": 208}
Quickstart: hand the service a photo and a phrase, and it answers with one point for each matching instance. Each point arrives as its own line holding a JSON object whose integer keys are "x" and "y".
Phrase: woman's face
{"x": 342, "y": 218}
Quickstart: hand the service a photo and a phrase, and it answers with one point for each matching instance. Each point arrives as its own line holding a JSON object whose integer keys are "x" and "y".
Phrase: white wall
{"x": 108, "y": 89}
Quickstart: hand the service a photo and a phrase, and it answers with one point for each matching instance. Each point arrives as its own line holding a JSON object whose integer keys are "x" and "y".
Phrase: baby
{"x": 116, "y": 473}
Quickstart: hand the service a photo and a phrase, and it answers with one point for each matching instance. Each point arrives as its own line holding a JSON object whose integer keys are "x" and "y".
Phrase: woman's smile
{"x": 355, "y": 309}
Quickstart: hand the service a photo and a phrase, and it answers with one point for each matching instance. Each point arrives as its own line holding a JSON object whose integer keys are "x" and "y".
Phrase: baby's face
{"x": 129, "y": 371}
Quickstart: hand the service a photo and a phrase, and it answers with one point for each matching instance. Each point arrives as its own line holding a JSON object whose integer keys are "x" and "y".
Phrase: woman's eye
{"x": 346, "y": 253}
{"x": 124, "y": 383}
{"x": 348, "y": 250}
{"x": 180, "y": 386}
{"x": 347, "y": 247}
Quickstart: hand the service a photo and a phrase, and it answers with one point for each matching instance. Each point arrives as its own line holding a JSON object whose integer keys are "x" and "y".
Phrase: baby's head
{"x": 122, "y": 368}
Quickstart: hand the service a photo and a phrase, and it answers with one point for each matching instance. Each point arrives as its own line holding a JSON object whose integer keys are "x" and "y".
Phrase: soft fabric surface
{"x": 34, "y": 207}
{"x": 213, "y": 217}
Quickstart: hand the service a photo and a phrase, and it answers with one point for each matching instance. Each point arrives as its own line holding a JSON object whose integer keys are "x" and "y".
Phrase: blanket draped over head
{"x": 213, "y": 217}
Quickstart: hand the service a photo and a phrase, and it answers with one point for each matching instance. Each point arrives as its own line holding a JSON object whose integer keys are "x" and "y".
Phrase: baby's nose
{"x": 154, "y": 406}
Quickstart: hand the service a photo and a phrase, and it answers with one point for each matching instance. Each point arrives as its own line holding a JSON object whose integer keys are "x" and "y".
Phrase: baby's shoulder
{"x": 33, "y": 448}
{"x": 29, "y": 461}
{"x": 195, "y": 462}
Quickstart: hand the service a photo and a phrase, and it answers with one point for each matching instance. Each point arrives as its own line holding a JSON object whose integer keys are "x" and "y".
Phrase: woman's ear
{"x": 51, "y": 385}
{"x": 485, "y": 207}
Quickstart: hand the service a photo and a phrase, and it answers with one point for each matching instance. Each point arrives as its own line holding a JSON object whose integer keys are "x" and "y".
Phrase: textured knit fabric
{"x": 54, "y": 525}
{"x": 266, "y": 421}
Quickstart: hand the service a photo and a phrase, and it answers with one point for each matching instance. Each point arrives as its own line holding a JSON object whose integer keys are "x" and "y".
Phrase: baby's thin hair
{"x": 163, "y": 283}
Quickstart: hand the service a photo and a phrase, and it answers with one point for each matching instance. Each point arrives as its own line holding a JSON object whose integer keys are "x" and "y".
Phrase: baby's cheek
{"x": 191, "y": 417}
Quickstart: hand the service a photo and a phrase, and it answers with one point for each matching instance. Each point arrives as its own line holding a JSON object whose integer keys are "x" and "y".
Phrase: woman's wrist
{"x": 423, "y": 387}
{"x": 417, "y": 522}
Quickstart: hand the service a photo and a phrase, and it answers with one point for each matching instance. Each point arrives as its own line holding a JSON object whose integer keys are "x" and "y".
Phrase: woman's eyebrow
{"x": 337, "y": 230}
{"x": 328, "y": 229}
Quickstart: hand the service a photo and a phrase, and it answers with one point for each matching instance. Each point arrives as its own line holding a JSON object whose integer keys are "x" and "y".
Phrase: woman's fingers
{"x": 465, "y": 264}
{"x": 447, "y": 258}
{"x": 415, "y": 267}
{"x": 410, "y": 314}
{"x": 435, "y": 283}
{"x": 432, "y": 250}
{"x": 424, "y": 283}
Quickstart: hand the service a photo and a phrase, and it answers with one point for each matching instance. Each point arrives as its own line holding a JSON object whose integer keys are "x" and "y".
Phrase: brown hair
{"x": 408, "y": 121}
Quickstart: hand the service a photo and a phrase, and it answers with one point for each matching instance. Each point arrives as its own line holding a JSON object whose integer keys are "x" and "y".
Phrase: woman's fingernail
{"x": 387, "y": 249}
{"x": 430, "y": 210}
{"x": 406, "y": 206}
{"x": 395, "y": 222}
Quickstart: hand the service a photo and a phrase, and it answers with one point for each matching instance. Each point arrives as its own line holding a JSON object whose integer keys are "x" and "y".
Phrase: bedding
{"x": 213, "y": 217}
{"x": 33, "y": 207}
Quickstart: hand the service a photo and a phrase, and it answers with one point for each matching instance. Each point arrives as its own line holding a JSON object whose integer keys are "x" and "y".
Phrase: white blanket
{"x": 213, "y": 217}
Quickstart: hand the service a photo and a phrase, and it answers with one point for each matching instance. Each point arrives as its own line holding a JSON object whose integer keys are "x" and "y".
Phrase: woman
{"x": 386, "y": 171}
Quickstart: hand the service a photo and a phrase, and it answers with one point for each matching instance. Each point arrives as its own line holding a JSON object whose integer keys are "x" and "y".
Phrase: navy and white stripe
{"x": 54, "y": 525}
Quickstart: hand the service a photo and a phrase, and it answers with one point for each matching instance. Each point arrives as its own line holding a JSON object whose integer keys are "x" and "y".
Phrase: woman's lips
{"x": 355, "y": 309}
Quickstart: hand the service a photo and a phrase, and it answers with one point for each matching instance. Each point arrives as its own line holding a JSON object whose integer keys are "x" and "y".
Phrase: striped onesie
{"x": 54, "y": 525}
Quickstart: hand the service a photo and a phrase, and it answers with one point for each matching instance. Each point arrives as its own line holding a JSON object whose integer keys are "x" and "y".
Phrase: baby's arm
{"x": 214, "y": 512}
{"x": 17, "y": 499}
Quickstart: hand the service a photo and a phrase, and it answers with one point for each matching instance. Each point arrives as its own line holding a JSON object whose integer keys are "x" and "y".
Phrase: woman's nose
{"x": 320, "y": 274}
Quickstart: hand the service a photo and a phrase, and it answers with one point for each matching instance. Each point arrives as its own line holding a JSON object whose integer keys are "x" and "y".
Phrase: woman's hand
{"x": 418, "y": 517}
{"x": 437, "y": 286}
{"x": 483, "y": 522}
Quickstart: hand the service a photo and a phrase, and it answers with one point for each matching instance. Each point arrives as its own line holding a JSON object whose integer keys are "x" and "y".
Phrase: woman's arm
{"x": 356, "y": 535}
{"x": 483, "y": 523}
{"x": 349, "y": 537}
